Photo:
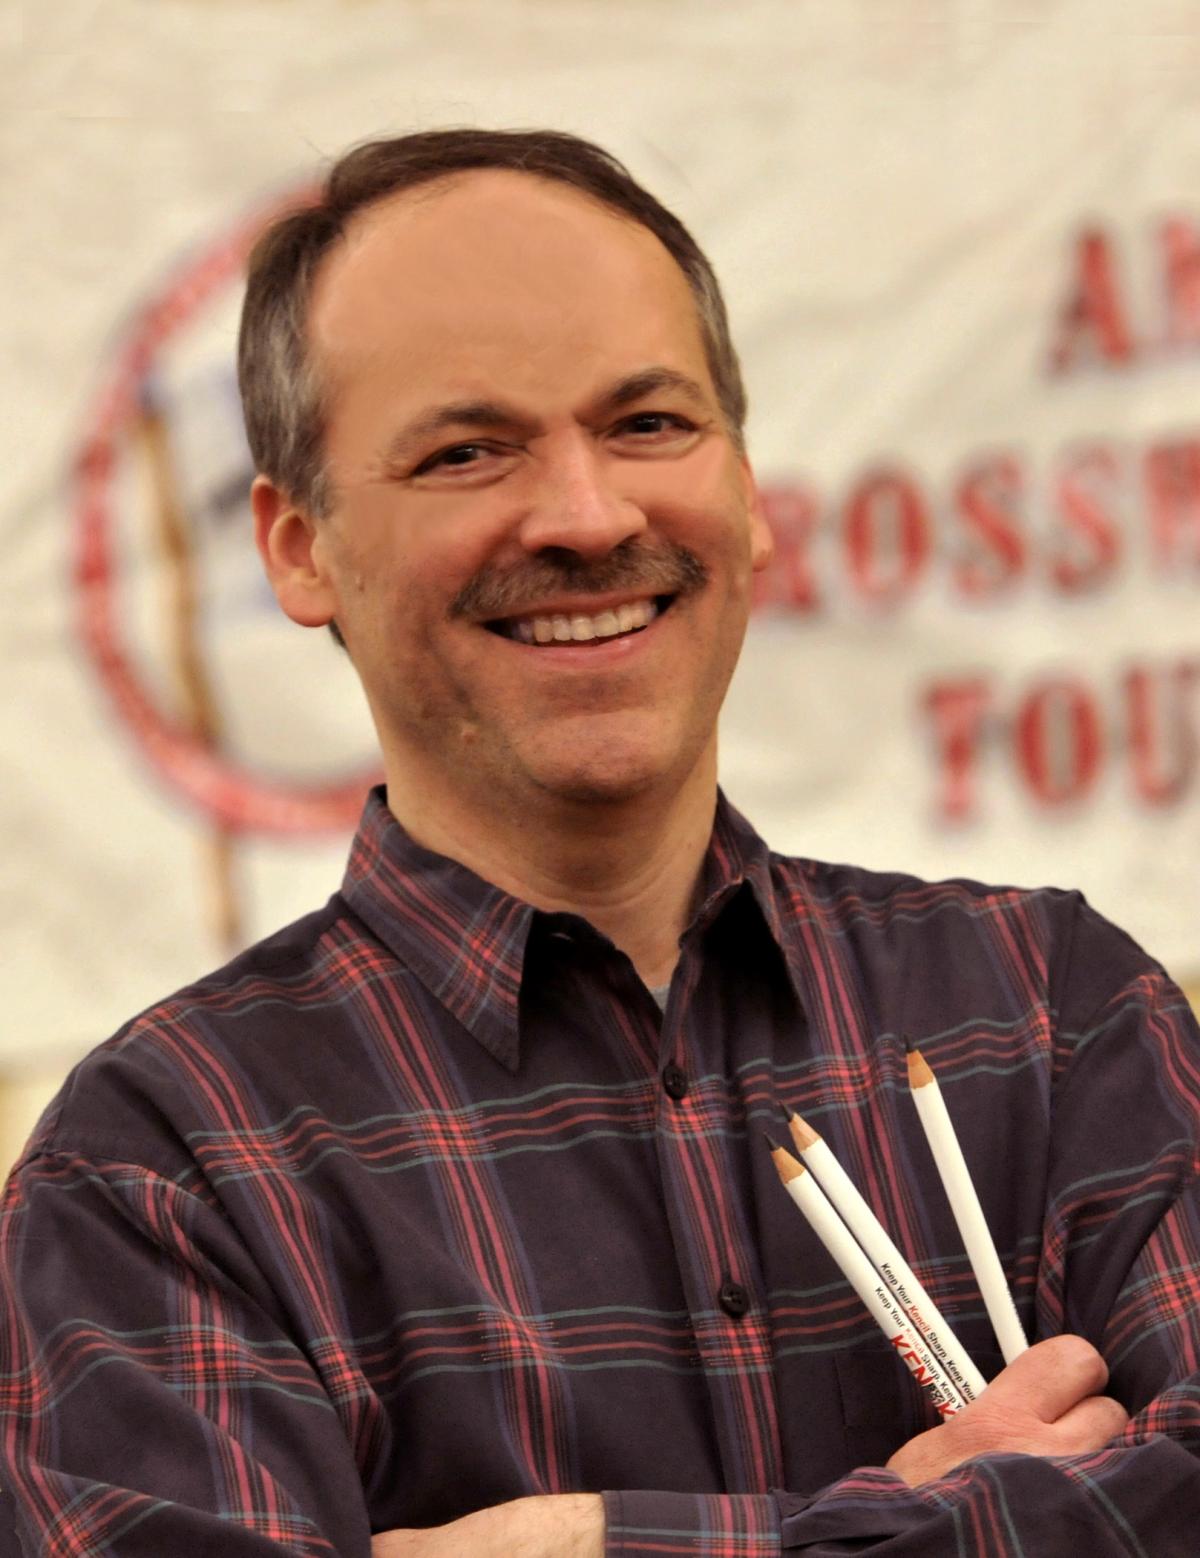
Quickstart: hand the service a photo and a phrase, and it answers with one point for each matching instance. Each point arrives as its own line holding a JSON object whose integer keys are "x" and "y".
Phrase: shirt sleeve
{"x": 151, "y": 1402}
{"x": 1120, "y": 1265}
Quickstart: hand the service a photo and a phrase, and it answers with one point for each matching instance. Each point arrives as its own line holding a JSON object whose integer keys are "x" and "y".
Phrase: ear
{"x": 292, "y": 553}
{"x": 762, "y": 542}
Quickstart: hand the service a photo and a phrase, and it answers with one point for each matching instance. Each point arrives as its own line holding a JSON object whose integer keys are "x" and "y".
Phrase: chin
{"x": 606, "y": 761}
{"x": 612, "y": 773}
{"x": 594, "y": 787}
{"x": 606, "y": 774}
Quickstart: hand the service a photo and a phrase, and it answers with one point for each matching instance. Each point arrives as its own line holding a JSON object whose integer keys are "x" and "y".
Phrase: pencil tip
{"x": 770, "y": 1140}
{"x": 802, "y": 1133}
{"x": 909, "y": 1046}
{"x": 785, "y": 1114}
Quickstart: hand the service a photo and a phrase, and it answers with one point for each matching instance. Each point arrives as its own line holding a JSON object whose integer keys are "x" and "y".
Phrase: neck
{"x": 629, "y": 867}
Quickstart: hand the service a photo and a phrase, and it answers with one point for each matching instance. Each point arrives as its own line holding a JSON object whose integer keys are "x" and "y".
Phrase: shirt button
{"x": 734, "y": 1300}
{"x": 674, "y": 1081}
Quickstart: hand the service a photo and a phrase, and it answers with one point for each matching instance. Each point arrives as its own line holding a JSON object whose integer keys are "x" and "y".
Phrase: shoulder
{"x": 193, "y": 1055}
{"x": 1050, "y": 937}
{"x": 849, "y": 892}
{"x": 295, "y": 963}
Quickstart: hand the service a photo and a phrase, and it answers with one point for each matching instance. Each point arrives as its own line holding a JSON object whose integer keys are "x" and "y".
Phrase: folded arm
{"x": 151, "y": 1401}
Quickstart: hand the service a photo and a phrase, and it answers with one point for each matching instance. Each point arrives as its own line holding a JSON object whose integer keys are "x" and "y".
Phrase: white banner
{"x": 961, "y": 247}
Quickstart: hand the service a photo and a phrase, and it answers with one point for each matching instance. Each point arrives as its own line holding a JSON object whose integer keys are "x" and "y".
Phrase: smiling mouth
{"x": 580, "y": 628}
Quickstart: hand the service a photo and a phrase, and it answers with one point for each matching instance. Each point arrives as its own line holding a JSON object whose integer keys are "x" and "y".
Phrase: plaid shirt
{"x": 423, "y": 1204}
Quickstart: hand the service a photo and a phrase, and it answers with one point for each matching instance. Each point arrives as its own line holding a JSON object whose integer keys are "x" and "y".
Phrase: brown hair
{"x": 281, "y": 393}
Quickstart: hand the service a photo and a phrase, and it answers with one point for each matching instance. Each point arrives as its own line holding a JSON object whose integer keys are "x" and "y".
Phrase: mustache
{"x": 631, "y": 566}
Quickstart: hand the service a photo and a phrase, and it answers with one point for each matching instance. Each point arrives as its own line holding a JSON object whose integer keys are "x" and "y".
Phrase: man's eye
{"x": 457, "y": 456}
{"x": 655, "y": 428}
{"x": 654, "y": 422}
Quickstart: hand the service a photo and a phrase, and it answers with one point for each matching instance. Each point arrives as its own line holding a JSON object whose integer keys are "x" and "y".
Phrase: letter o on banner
{"x": 887, "y": 536}
{"x": 1059, "y": 741}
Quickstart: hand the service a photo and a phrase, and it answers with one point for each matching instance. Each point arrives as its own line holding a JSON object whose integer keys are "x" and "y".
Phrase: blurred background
{"x": 960, "y": 241}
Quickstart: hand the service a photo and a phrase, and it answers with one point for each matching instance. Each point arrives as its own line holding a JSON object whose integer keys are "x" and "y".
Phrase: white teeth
{"x": 579, "y": 629}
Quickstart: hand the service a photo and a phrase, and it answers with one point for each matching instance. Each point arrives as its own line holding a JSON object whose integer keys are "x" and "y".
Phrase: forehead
{"x": 497, "y": 272}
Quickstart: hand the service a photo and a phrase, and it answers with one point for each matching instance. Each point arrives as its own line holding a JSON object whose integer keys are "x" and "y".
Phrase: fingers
{"x": 1051, "y": 1378}
{"x": 1090, "y": 1425}
{"x": 1046, "y": 1402}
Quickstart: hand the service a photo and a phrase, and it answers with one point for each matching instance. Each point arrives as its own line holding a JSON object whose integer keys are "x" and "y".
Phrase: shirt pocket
{"x": 882, "y": 1405}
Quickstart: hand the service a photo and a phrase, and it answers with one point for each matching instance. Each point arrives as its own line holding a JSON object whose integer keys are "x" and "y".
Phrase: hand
{"x": 555, "y": 1525}
{"x": 1044, "y": 1403}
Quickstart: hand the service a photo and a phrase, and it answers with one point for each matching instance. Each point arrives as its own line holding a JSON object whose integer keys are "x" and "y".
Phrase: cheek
{"x": 423, "y": 548}
{"x": 722, "y": 538}
{"x": 376, "y": 573}
{"x": 701, "y": 501}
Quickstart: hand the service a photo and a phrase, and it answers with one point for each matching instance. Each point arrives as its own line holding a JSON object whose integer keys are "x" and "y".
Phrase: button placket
{"x": 732, "y": 1338}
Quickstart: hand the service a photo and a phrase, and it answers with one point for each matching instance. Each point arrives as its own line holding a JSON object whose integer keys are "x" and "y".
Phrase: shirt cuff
{"x": 698, "y": 1525}
{"x": 869, "y": 1504}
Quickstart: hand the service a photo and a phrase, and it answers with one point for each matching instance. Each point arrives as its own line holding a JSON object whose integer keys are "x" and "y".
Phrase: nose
{"x": 577, "y": 507}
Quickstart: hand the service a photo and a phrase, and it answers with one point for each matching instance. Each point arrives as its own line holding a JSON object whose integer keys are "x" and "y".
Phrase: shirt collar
{"x": 465, "y": 939}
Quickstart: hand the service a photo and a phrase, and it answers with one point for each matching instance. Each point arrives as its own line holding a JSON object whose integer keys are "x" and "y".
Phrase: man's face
{"x": 542, "y": 535}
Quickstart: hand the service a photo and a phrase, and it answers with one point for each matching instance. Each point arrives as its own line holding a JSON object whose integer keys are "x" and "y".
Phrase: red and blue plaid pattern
{"x": 393, "y": 1218}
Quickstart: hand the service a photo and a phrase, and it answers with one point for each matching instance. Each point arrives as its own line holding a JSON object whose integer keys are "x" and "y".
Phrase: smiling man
{"x": 438, "y": 1223}
{"x": 540, "y": 549}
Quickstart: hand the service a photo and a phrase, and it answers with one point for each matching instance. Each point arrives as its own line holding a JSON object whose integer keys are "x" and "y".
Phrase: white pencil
{"x": 903, "y": 1283}
{"x": 964, "y": 1203}
{"x": 866, "y": 1282}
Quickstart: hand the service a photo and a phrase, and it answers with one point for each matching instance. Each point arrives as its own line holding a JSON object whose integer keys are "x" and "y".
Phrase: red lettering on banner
{"x": 988, "y": 500}
{"x": 1088, "y": 546}
{"x": 887, "y": 536}
{"x": 1055, "y": 732}
{"x": 1180, "y": 244}
{"x": 1173, "y": 497}
{"x": 1091, "y": 323}
{"x": 1102, "y": 504}
{"x": 1162, "y": 730}
{"x": 1059, "y": 743}
{"x": 958, "y": 710}
{"x": 788, "y": 581}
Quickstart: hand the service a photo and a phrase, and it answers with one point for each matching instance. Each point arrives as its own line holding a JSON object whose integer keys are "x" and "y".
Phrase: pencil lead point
{"x": 770, "y": 1140}
{"x": 919, "y": 1074}
{"x": 785, "y": 1113}
{"x": 802, "y": 1133}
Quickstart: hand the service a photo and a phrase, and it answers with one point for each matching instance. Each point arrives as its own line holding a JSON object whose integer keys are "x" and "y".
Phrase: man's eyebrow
{"x": 461, "y": 415}
{"x": 653, "y": 381}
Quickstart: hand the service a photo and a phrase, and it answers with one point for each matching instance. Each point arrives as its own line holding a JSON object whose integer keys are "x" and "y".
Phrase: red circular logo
{"x": 151, "y": 573}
